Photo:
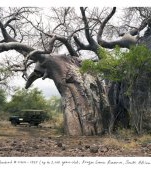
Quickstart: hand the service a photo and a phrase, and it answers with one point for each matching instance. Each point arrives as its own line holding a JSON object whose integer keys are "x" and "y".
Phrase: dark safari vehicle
{"x": 33, "y": 117}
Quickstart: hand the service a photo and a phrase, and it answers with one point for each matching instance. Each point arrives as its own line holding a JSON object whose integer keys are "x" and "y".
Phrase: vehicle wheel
{"x": 31, "y": 123}
{"x": 36, "y": 124}
{"x": 13, "y": 122}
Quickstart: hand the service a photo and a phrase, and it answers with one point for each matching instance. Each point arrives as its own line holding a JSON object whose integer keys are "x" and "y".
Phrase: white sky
{"x": 47, "y": 86}
{"x": 76, "y": 3}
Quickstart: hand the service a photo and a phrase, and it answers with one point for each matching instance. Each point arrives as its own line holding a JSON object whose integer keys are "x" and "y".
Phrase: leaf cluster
{"x": 119, "y": 65}
{"x": 2, "y": 99}
{"x": 26, "y": 99}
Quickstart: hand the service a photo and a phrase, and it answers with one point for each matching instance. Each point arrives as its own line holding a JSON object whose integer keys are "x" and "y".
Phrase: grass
{"x": 114, "y": 143}
{"x": 4, "y": 124}
{"x": 124, "y": 139}
{"x": 145, "y": 139}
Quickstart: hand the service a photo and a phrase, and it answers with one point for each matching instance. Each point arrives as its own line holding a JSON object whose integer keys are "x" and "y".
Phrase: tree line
{"x": 28, "y": 99}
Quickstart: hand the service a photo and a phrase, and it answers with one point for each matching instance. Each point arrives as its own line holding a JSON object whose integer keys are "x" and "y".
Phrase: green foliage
{"x": 118, "y": 65}
{"x": 5, "y": 74}
{"x": 26, "y": 99}
{"x": 54, "y": 105}
{"x": 109, "y": 66}
{"x": 2, "y": 99}
{"x": 55, "y": 109}
{"x": 29, "y": 99}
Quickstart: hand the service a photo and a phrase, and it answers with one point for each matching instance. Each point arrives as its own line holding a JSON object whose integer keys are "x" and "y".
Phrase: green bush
{"x": 2, "y": 99}
{"x": 26, "y": 99}
{"x": 120, "y": 65}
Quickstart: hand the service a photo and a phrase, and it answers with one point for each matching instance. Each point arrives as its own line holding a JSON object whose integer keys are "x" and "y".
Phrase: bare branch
{"x": 68, "y": 45}
{"x": 34, "y": 55}
{"x": 99, "y": 36}
{"x": 59, "y": 38}
{"x": 80, "y": 45}
{"x": 10, "y": 20}
{"x": 6, "y": 36}
{"x": 12, "y": 28}
{"x": 57, "y": 27}
{"x": 63, "y": 23}
{"x": 51, "y": 44}
{"x": 144, "y": 12}
{"x": 15, "y": 46}
{"x": 42, "y": 40}
{"x": 87, "y": 31}
{"x": 135, "y": 30}
{"x": 125, "y": 42}
{"x": 128, "y": 39}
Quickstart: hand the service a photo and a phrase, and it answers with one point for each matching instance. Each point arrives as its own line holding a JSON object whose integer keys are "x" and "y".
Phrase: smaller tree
{"x": 5, "y": 73}
{"x": 26, "y": 99}
{"x": 56, "y": 113}
{"x": 54, "y": 105}
{"x": 2, "y": 99}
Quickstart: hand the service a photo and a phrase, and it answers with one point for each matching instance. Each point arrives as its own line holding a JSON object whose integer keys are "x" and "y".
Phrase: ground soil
{"x": 25, "y": 141}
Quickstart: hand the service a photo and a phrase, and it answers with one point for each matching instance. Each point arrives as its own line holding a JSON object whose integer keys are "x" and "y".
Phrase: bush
{"x": 118, "y": 65}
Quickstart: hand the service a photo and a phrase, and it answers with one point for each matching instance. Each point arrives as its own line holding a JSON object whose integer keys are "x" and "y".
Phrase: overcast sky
{"x": 77, "y": 3}
{"x": 47, "y": 86}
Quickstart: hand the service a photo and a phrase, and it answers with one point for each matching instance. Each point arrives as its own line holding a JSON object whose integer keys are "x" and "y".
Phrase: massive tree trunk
{"x": 140, "y": 104}
{"x": 119, "y": 106}
{"x": 80, "y": 94}
{"x": 140, "y": 99}
{"x": 133, "y": 109}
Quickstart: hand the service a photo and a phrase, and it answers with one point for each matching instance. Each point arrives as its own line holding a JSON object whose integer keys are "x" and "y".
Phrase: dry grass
{"x": 5, "y": 124}
{"x": 9, "y": 131}
{"x": 111, "y": 142}
{"x": 125, "y": 140}
{"x": 144, "y": 139}
{"x": 46, "y": 138}
{"x": 129, "y": 146}
{"x": 115, "y": 143}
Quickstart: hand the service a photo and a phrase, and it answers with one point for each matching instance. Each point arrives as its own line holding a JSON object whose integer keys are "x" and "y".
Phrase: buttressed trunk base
{"x": 80, "y": 94}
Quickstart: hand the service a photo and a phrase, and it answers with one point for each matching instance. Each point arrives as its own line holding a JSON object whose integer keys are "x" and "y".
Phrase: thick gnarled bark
{"x": 80, "y": 94}
{"x": 82, "y": 107}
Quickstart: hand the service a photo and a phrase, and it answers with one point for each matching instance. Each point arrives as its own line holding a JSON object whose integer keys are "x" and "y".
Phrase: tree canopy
{"x": 67, "y": 29}
{"x": 2, "y": 99}
{"x": 26, "y": 99}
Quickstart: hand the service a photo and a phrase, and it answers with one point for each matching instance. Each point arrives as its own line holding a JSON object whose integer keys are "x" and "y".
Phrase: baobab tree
{"x": 84, "y": 96}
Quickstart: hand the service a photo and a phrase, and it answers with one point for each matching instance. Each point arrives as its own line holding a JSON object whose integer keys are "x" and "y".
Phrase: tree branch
{"x": 10, "y": 20}
{"x": 80, "y": 45}
{"x": 135, "y": 31}
{"x": 59, "y": 38}
{"x": 63, "y": 23}
{"x": 15, "y": 46}
{"x": 68, "y": 45}
{"x": 10, "y": 26}
{"x": 87, "y": 31}
{"x": 51, "y": 44}
{"x": 100, "y": 32}
{"x": 93, "y": 45}
{"x": 6, "y": 36}
{"x": 36, "y": 55}
{"x": 125, "y": 42}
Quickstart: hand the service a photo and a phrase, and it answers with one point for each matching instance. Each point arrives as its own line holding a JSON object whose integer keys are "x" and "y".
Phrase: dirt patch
{"x": 44, "y": 141}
